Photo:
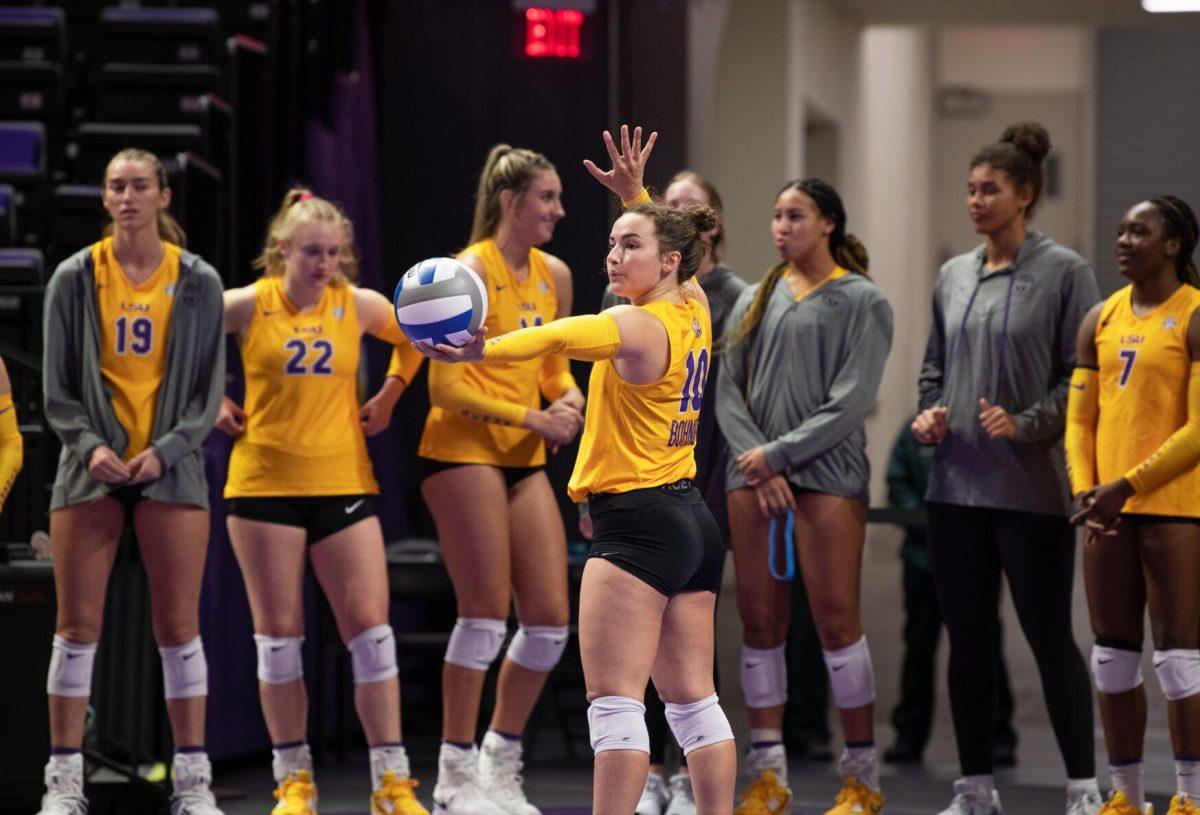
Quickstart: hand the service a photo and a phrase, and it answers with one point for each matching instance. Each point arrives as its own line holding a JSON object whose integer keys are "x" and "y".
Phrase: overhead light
{"x": 1168, "y": 6}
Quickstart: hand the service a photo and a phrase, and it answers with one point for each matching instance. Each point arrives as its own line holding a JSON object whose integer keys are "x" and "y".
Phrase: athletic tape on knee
{"x": 698, "y": 724}
{"x": 538, "y": 647}
{"x": 851, "y": 675}
{"x": 475, "y": 642}
{"x": 1115, "y": 670}
{"x": 70, "y": 671}
{"x": 280, "y": 659}
{"x": 618, "y": 723}
{"x": 185, "y": 671}
{"x": 1178, "y": 672}
{"x": 764, "y": 676}
{"x": 373, "y": 654}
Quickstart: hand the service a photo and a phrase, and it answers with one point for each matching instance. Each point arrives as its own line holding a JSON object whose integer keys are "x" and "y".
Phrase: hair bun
{"x": 1030, "y": 137}
{"x": 703, "y": 218}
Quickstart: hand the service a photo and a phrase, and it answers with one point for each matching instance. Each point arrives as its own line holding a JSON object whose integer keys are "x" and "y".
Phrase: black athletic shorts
{"x": 129, "y": 496}
{"x": 664, "y": 536}
{"x": 512, "y": 475}
{"x": 319, "y": 516}
{"x": 1141, "y": 518}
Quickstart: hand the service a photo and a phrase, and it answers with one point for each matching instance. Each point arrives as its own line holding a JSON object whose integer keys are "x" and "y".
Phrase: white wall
{"x": 1004, "y": 58}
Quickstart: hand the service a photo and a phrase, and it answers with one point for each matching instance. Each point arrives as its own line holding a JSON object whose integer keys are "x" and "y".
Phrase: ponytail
{"x": 758, "y": 307}
{"x": 506, "y": 168}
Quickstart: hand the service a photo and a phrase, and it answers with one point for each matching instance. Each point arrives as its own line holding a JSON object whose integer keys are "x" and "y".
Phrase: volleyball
{"x": 440, "y": 300}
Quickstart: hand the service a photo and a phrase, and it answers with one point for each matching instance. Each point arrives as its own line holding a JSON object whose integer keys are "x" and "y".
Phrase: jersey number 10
{"x": 693, "y": 385}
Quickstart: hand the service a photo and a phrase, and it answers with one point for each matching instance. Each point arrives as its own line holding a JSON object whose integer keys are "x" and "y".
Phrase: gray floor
{"x": 1034, "y": 786}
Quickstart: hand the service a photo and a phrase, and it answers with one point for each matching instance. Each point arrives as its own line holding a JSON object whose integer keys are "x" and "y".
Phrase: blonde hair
{"x": 506, "y": 168}
{"x": 169, "y": 229}
{"x": 299, "y": 206}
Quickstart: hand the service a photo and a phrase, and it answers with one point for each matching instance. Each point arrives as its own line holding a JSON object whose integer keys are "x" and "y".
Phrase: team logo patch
{"x": 833, "y": 299}
{"x": 1023, "y": 282}
{"x": 1170, "y": 322}
{"x": 696, "y": 329}
{"x": 339, "y": 312}
{"x": 543, "y": 286}
{"x": 170, "y": 290}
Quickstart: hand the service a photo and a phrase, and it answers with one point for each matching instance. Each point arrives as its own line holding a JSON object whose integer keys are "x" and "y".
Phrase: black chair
{"x": 95, "y": 143}
{"x": 133, "y": 92}
{"x": 8, "y": 216}
{"x": 33, "y": 34}
{"x": 160, "y": 35}
{"x": 76, "y": 218}
{"x": 23, "y": 166}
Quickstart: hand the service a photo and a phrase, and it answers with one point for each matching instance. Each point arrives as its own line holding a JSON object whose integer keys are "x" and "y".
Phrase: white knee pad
{"x": 1178, "y": 672}
{"x": 851, "y": 675}
{"x": 538, "y": 647}
{"x": 279, "y": 659}
{"x": 185, "y": 671}
{"x": 475, "y": 642}
{"x": 764, "y": 676}
{"x": 373, "y": 654}
{"x": 1116, "y": 670}
{"x": 618, "y": 723}
{"x": 698, "y": 724}
{"x": 70, "y": 668}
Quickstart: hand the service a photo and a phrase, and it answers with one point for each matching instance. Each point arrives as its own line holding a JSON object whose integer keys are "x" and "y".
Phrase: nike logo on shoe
{"x": 353, "y": 506}
{"x": 754, "y": 664}
{"x": 836, "y": 667}
{"x": 192, "y": 654}
{"x": 1104, "y": 661}
{"x": 275, "y": 648}
{"x": 384, "y": 638}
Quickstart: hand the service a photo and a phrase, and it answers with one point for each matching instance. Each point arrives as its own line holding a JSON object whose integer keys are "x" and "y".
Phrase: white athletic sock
{"x": 1187, "y": 777}
{"x": 386, "y": 757}
{"x": 860, "y": 762}
{"x": 1127, "y": 778}
{"x": 289, "y": 759}
{"x": 982, "y": 785}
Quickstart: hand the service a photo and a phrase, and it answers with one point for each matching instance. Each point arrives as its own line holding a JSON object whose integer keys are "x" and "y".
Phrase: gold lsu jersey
{"x": 303, "y": 436}
{"x": 494, "y": 436}
{"x": 637, "y": 436}
{"x": 135, "y": 323}
{"x": 1144, "y": 366}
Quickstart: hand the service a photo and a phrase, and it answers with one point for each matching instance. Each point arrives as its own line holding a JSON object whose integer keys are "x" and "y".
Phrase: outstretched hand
{"x": 629, "y": 163}
{"x": 471, "y": 352}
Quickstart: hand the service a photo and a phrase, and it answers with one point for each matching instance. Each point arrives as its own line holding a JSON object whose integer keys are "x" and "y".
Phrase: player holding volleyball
{"x": 485, "y": 445}
{"x": 133, "y": 374}
{"x": 1133, "y": 445}
{"x": 300, "y": 487}
{"x": 649, "y": 586}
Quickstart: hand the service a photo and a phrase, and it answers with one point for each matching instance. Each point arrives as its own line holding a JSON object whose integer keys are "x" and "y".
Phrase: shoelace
{"x": 754, "y": 799}
{"x": 396, "y": 791}
{"x": 297, "y": 788}
{"x": 1183, "y": 805}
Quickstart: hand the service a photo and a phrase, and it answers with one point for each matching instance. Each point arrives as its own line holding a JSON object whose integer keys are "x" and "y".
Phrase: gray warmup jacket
{"x": 79, "y": 403}
{"x": 1007, "y": 336}
{"x": 802, "y": 385}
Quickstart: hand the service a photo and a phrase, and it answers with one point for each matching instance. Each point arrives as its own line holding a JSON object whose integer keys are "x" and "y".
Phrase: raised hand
{"x": 629, "y": 163}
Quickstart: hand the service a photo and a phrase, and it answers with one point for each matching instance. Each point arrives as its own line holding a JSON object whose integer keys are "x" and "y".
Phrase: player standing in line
{"x": 1133, "y": 445}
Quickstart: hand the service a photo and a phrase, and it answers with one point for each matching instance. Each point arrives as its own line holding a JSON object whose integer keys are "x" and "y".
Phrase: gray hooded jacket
{"x": 79, "y": 403}
{"x": 1007, "y": 336}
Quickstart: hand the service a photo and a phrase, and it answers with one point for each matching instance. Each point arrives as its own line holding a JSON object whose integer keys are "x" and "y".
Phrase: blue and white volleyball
{"x": 440, "y": 300}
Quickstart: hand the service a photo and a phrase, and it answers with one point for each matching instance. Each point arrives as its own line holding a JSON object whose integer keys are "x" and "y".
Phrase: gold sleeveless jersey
{"x": 1144, "y": 366}
{"x": 479, "y": 439}
{"x": 302, "y": 433}
{"x": 135, "y": 324}
{"x": 638, "y": 436}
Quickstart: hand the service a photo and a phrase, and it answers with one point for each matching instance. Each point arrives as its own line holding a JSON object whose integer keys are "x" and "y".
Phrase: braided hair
{"x": 1179, "y": 222}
